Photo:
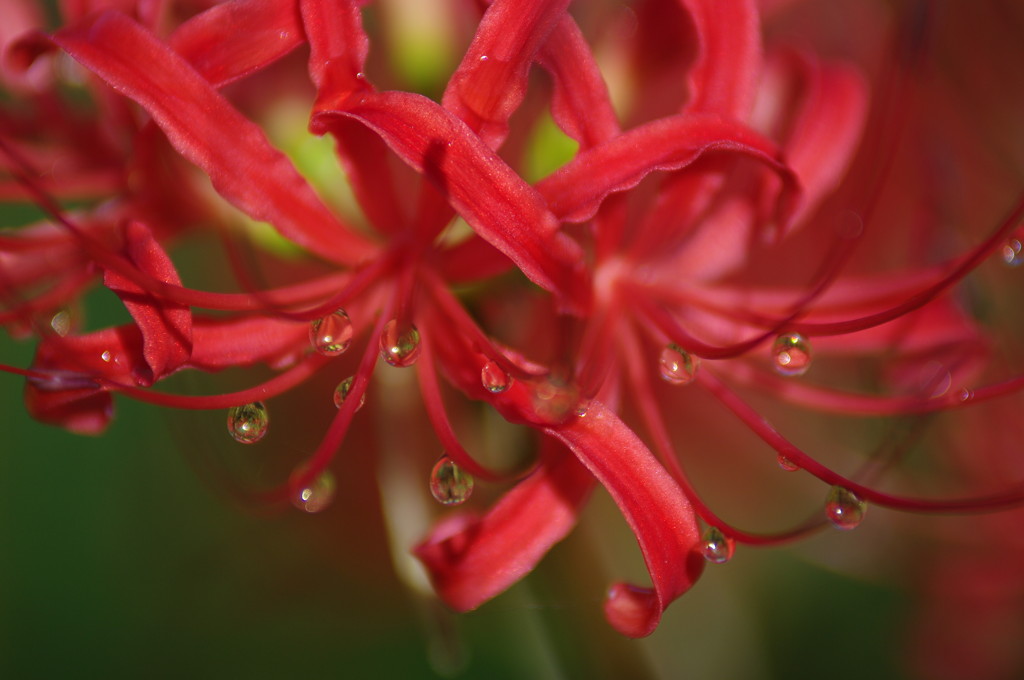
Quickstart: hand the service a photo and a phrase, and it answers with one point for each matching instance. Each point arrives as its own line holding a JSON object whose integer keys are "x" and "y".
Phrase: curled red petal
{"x": 575, "y": 192}
{"x": 65, "y": 393}
{"x": 470, "y": 560}
{"x": 499, "y": 205}
{"x": 655, "y": 508}
{"x": 206, "y": 129}
{"x": 580, "y": 101}
{"x": 728, "y": 64}
{"x": 236, "y": 38}
{"x": 490, "y": 82}
{"x": 166, "y": 327}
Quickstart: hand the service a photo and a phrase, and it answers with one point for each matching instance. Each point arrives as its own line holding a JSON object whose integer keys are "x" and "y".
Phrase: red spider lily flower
{"x": 654, "y": 241}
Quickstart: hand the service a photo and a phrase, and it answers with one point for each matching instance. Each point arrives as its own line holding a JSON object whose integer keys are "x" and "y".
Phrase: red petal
{"x": 70, "y": 398}
{"x": 826, "y": 130}
{"x": 471, "y": 560}
{"x": 222, "y": 343}
{"x": 338, "y": 47}
{"x": 580, "y": 103}
{"x": 728, "y": 64}
{"x": 493, "y": 199}
{"x": 233, "y": 39}
{"x": 166, "y": 326}
{"x": 207, "y": 130}
{"x": 575, "y": 192}
{"x": 659, "y": 514}
{"x": 490, "y": 82}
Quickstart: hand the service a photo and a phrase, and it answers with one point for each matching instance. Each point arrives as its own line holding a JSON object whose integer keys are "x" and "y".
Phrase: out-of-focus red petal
{"x": 207, "y": 130}
{"x": 824, "y": 108}
{"x": 575, "y": 192}
{"x": 491, "y": 80}
{"x": 236, "y": 38}
{"x": 470, "y": 560}
{"x": 221, "y": 343}
{"x": 499, "y": 205}
{"x": 166, "y": 327}
{"x": 724, "y": 76}
{"x": 338, "y": 47}
{"x": 580, "y": 103}
{"x": 659, "y": 514}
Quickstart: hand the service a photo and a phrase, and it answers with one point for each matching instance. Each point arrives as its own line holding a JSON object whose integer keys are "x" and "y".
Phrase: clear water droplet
{"x": 786, "y": 464}
{"x": 1012, "y": 253}
{"x": 332, "y": 334}
{"x": 399, "y": 347}
{"x": 342, "y": 391}
{"x": 966, "y": 394}
{"x": 449, "y": 483}
{"x": 677, "y": 366}
{"x": 107, "y": 356}
{"x": 248, "y": 423}
{"x": 718, "y": 548}
{"x": 316, "y": 495}
{"x": 791, "y": 354}
{"x": 494, "y": 378}
{"x": 844, "y": 509}
{"x": 61, "y": 322}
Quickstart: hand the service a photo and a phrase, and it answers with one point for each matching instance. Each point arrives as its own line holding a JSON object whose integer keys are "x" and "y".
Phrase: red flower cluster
{"x": 711, "y": 228}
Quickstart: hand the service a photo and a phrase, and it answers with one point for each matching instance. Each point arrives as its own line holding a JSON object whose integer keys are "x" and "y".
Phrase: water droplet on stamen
{"x": 332, "y": 334}
{"x": 786, "y": 464}
{"x": 248, "y": 423}
{"x": 844, "y": 509}
{"x": 106, "y": 356}
{"x": 316, "y": 495}
{"x": 1012, "y": 253}
{"x": 494, "y": 378}
{"x": 449, "y": 484}
{"x": 791, "y": 354}
{"x": 677, "y": 366}
{"x": 61, "y": 322}
{"x": 718, "y": 548}
{"x": 399, "y": 348}
{"x": 341, "y": 392}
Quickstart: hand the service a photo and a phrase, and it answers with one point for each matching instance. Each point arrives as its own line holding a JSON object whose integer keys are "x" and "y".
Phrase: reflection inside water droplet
{"x": 248, "y": 423}
{"x": 494, "y": 379}
{"x": 844, "y": 509}
{"x": 718, "y": 548}
{"x": 399, "y": 347}
{"x": 786, "y": 464}
{"x": 1012, "y": 252}
{"x": 331, "y": 335}
{"x": 449, "y": 484}
{"x": 791, "y": 354}
{"x": 677, "y": 366}
{"x": 342, "y": 391}
{"x": 317, "y": 495}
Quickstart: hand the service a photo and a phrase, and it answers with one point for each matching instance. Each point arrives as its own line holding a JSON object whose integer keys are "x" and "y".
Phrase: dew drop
{"x": 106, "y": 356}
{"x": 61, "y": 322}
{"x": 341, "y": 392}
{"x": 791, "y": 354}
{"x": 844, "y": 509}
{"x": 449, "y": 484}
{"x": 248, "y": 423}
{"x": 332, "y": 334}
{"x": 786, "y": 464}
{"x": 1012, "y": 252}
{"x": 677, "y": 366}
{"x": 316, "y": 495}
{"x": 718, "y": 548}
{"x": 399, "y": 348}
{"x": 494, "y": 378}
